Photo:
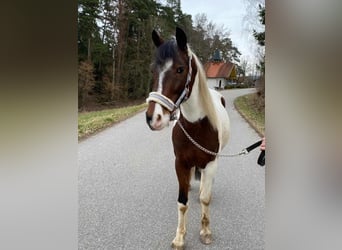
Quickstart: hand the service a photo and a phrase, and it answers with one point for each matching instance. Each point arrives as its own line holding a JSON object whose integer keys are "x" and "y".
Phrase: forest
{"x": 115, "y": 46}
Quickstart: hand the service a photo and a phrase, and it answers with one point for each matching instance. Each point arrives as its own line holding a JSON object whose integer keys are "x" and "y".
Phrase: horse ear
{"x": 157, "y": 40}
{"x": 181, "y": 39}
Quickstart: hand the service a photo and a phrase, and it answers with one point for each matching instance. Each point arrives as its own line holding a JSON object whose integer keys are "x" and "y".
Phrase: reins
{"x": 243, "y": 152}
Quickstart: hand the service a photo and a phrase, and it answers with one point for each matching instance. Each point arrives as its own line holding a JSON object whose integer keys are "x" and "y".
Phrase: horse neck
{"x": 200, "y": 103}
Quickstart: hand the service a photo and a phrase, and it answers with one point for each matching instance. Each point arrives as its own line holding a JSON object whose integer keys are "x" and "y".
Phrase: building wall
{"x": 215, "y": 82}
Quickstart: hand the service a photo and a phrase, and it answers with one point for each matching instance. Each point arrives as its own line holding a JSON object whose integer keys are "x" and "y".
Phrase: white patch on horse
{"x": 207, "y": 177}
{"x": 187, "y": 108}
{"x": 178, "y": 241}
{"x": 165, "y": 68}
{"x": 159, "y": 119}
{"x": 224, "y": 122}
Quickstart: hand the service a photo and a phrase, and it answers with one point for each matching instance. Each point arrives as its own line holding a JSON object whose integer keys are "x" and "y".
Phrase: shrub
{"x": 85, "y": 81}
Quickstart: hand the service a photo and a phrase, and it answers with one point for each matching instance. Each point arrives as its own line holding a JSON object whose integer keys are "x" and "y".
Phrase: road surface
{"x": 128, "y": 190}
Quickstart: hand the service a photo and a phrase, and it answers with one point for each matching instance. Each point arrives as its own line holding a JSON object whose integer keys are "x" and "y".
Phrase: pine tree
{"x": 114, "y": 38}
{"x": 260, "y": 37}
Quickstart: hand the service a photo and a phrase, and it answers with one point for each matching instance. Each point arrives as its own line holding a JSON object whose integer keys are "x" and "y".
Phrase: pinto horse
{"x": 180, "y": 86}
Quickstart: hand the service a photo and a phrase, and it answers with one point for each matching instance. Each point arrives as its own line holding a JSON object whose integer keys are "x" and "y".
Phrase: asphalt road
{"x": 128, "y": 190}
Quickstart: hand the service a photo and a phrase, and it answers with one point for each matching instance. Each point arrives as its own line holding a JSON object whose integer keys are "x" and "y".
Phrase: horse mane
{"x": 204, "y": 92}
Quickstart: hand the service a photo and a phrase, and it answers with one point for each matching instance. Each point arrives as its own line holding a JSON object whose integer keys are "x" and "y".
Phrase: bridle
{"x": 167, "y": 102}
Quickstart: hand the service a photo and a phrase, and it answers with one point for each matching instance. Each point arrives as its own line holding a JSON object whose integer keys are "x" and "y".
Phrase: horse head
{"x": 172, "y": 71}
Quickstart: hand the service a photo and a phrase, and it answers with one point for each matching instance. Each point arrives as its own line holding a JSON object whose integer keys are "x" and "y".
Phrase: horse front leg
{"x": 183, "y": 175}
{"x": 205, "y": 196}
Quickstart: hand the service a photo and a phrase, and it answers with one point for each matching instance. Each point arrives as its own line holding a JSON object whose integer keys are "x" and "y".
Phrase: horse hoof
{"x": 206, "y": 239}
{"x": 174, "y": 246}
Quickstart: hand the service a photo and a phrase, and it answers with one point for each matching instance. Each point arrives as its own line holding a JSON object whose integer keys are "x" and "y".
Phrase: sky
{"x": 238, "y": 16}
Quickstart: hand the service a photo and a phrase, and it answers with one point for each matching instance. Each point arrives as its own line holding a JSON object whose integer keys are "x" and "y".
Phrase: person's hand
{"x": 263, "y": 144}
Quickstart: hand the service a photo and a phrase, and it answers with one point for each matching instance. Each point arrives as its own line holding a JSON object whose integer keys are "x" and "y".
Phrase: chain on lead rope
{"x": 243, "y": 152}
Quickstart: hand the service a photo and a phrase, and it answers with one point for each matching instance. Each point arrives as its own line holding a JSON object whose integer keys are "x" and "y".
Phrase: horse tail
{"x": 197, "y": 174}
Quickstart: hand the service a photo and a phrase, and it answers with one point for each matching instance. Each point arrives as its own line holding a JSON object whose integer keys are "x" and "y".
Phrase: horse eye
{"x": 180, "y": 69}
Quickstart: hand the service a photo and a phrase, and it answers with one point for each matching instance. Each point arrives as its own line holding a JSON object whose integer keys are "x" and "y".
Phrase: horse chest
{"x": 204, "y": 134}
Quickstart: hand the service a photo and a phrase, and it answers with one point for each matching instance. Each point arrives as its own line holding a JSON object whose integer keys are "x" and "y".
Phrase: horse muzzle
{"x": 159, "y": 111}
{"x": 156, "y": 117}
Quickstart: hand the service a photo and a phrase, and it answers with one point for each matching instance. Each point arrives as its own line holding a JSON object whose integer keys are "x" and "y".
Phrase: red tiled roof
{"x": 218, "y": 69}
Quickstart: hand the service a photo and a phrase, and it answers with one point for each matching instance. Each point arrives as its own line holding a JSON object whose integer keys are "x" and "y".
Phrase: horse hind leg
{"x": 205, "y": 196}
{"x": 195, "y": 175}
{"x": 192, "y": 177}
{"x": 183, "y": 175}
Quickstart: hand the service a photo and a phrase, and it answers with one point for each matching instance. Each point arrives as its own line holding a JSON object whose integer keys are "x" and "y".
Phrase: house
{"x": 219, "y": 73}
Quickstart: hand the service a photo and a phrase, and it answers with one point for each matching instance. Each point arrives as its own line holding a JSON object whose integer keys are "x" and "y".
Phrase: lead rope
{"x": 243, "y": 152}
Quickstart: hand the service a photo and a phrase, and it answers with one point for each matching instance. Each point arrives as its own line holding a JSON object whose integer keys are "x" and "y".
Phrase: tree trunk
{"x": 89, "y": 51}
{"x": 122, "y": 25}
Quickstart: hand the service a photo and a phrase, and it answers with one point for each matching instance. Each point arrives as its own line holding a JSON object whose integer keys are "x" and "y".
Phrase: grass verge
{"x": 92, "y": 122}
{"x": 245, "y": 105}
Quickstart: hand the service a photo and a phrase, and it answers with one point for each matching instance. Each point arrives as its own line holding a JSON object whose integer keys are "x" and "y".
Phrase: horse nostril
{"x": 159, "y": 118}
{"x": 148, "y": 118}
